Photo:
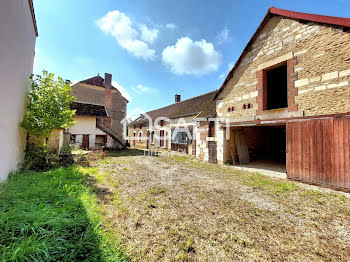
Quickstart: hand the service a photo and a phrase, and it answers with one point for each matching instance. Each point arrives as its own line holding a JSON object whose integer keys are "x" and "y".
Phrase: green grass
{"x": 53, "y": 216}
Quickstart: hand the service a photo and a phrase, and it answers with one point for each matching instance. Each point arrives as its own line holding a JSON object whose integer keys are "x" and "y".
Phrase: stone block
{"x": 301, "y": 82}
{"x": 330, "y": 76}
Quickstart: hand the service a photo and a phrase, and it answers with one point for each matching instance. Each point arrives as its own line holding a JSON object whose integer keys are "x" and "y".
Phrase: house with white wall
{"x": 85, "y": 132}
{"x": 100, "y": 108}
{"x": 18, "y": 32}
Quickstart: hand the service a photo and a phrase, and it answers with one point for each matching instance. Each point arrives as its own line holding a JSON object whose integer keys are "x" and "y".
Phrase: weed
{"x": 53, "y": 216}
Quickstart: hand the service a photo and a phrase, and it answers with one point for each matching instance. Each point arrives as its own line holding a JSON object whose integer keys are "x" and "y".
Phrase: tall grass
{"x": 53, "y": 216}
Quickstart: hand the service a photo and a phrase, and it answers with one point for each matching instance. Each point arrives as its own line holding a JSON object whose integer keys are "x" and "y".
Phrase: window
{"x": 162, "y": 140}
{"x": 140, "y": 136}
{"x": 152, "y": 137}
{"x": 211, "y": 132}
{"x": 276, "y": 88}
{"x": 100, "y": 140}
{"x": 182, "y": 137}
{"x": 73, "y": 139}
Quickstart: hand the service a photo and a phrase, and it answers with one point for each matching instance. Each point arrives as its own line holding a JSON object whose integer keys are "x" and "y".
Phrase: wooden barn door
{"x": 318, "y": 151}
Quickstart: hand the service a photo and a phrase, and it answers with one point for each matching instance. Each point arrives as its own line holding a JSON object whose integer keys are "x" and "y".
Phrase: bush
{"x": 81, "y": 160}
{"x": 66, "y": 156}
{"x": 40, "y": 158}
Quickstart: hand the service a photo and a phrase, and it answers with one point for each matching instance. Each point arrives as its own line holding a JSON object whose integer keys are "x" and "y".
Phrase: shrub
{"x": 66, "y": 156}
{"x": 40, "y": 158}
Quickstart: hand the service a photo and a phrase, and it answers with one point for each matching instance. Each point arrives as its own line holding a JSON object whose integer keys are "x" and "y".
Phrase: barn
{"x": 285, "y": 103}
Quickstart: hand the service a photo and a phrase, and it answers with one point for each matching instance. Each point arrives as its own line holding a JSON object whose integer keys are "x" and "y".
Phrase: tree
{"x": 48, "y": 105}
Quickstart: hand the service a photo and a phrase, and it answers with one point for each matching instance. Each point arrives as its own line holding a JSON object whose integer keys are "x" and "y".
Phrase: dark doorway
{"x": 277, "y": 88}
{"x": 264, "y": 145}
{"x": 212, "y": 152}
{"x": 85, "y": 144}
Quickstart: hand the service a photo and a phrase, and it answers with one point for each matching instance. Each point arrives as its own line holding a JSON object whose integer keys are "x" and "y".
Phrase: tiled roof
{"x": 203, "y": 106}
{"x": 96, "y": 81}
{"x": 273, "y": 11}
{"x": 84, "y": 109}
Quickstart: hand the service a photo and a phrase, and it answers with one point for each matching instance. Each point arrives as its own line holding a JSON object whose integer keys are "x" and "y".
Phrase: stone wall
{"x": 321, "y": 65}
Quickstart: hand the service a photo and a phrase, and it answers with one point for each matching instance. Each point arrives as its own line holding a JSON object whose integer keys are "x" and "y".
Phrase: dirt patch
{"x": 173, "y": 209}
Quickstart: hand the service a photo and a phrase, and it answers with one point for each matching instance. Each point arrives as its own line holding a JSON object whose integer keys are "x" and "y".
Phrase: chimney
{"x": 108, "y": 80}
{"x": 177, "y": 98}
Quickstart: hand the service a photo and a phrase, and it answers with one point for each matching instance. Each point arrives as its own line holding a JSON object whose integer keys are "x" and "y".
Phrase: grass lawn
{"x": 54, "y": 216}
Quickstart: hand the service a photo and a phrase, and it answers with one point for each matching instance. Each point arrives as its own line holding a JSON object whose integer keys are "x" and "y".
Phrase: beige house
{"x": 100, "y": 108}
{"x": 18, "y": 36}
{"x": 286, "y": 100}
{"x": 176, "y": 127}
{"x": 85, "y": 133}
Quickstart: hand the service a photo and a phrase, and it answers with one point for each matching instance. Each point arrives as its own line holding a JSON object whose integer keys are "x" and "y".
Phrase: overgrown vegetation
{"x": 47, "y": 108}
{"x": 54, "y": 216}
{"x": 48, "y": 105}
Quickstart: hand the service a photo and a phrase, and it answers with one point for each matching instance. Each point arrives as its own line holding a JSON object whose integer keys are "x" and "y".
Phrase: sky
{"x": 154, "y": 48}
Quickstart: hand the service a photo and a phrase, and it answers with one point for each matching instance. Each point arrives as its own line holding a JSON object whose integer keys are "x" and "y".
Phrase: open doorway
{"x": 262, "y": 147}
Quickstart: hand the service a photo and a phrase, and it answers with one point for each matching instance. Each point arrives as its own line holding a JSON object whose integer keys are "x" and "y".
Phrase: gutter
{"x": 31, "y": 6}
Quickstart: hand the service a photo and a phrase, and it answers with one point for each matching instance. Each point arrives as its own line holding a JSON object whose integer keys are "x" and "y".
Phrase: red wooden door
{"x": 318, "y": 151}
{"x": 85, "y": 144}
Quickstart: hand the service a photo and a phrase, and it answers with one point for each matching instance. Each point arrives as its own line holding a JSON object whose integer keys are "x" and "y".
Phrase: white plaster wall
{"x": 17, "y": 47}
{"x": 86, "y": 125}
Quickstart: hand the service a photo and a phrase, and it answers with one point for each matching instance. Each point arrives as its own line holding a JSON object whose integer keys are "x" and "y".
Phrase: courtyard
{"x": 178, "y": 208}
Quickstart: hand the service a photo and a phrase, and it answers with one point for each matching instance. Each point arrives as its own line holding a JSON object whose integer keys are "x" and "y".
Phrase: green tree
{"x": 48, "y": 105}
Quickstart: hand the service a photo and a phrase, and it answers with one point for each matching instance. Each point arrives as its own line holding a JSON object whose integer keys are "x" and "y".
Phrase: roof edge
{"x": 330, "y": 20}
{"x": 31, "y": 6}
{"x": 324, "y": 19}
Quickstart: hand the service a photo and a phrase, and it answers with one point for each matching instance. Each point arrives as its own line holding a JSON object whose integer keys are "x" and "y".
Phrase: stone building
{"x": 18, "y": 30}
{"x": 176, "y": 127}
{"x": 286, "y": 100}
{"x": 100, "y": 108}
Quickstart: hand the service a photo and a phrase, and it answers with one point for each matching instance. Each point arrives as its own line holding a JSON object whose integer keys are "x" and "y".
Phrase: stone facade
{"x": 134, "y": 131}
{"x": 318, "y": 74}
{"x": 318, "y": 60}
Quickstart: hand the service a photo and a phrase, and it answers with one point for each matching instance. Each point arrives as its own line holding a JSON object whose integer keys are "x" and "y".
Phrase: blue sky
{"x": 154, "y": 48}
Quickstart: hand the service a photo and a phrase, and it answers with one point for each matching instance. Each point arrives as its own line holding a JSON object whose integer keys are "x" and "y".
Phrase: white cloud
{"x": 140, "y": 89}
{"x": 120, "y": 26}
{"x": 223, "y": 36}
{"x": 189, "y": 57}
{"x": 122, "y": 90}
{"x": 170, "y": 26}
{"x": 224, "y": 74}
{"x": 148, "y": 35}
